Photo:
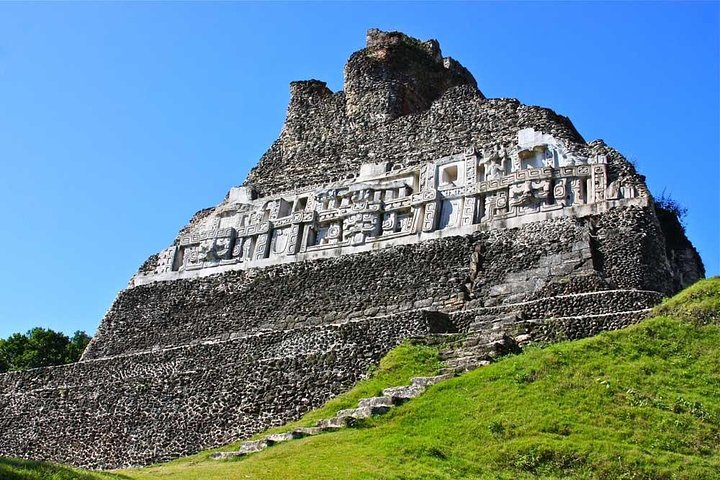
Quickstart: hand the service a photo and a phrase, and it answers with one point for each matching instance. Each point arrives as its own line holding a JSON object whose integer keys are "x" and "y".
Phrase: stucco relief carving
{"x": 206, "y": 247}
{"x": 617, "y": 190}
{"x": 383, "y": 202}
{"x": 530, "y": 195}
{"x": 166, "y": 260}
{"x": 280, "y": 239}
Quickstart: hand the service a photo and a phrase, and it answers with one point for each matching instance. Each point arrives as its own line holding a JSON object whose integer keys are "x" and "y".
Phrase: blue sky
{"x": 119, "y": 120}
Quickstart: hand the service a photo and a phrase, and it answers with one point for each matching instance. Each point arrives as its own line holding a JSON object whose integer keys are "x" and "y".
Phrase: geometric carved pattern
{"x": 453, "y": 192}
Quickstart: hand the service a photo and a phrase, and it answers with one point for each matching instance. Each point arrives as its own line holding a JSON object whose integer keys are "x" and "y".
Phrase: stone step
{"x": 357, "y": 413}
{"x": 365, "y": 411}
{"x": 402, "y": 394}
{"x": 281, "y": 437}
{"x": 375, "y": 402}
{"x": 491, "y": 349}
{"x": 485, "y": 346}
{"x": 427, "y": 381}
{"x": 494, "y": 322}
{"x": 464, "y": 364}
{"x": 465, "y": 358}
{"x": 225, "y": 455}
{"x": 435, "y": 339}
{"x": 478, "y": 354}
{"x": 344, "y": 418}
{"x": 481, "y": 322}
{"x": 253, "y": 446}
{"x": 477, "y": 339}
{"x": 335, "y": 423}
{"x": 306, "y": 431}
{"x": 481, "y": 348}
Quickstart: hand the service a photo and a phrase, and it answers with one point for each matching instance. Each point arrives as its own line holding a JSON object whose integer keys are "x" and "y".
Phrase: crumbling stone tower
{"x": 404, "y": 205}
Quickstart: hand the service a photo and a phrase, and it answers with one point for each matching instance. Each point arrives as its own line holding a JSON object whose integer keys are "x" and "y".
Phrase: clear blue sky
{"x": 119, "y": 120}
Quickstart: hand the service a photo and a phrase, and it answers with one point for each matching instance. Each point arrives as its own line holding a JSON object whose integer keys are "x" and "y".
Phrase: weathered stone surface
{"x": 225, "y": 455}
{"x": 306, "y": 431}
{"x": 279, "y": 297}
{"x": 121, "y": 409}
{"x": 281, "y": 437}
{"x": 254, "y": 446}
{"x": 375, "y": 402}
{"x": 335, "y": 423}
{"x": 401, "y": 394}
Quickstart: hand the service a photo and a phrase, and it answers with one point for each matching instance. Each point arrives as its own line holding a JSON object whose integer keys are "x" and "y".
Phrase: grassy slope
{"x": 640, "y": 403}
{"x": 15, "y": 469}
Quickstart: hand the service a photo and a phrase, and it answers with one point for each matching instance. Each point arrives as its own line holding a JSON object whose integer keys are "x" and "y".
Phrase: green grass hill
{"x": 639, "y": 403}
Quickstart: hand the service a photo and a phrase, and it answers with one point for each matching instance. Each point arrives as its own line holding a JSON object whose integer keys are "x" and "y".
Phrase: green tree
{"x": 40, "y": 347}
{"x": 13, "y": 349}
{"x": 44, "y": 348}
{"x": 4, "y": 365}
{"x": 78, "y": 342}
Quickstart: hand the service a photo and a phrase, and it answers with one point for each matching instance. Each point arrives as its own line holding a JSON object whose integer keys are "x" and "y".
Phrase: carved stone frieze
{"x": 455, "y": 194}
{"x": 166, "y": 259}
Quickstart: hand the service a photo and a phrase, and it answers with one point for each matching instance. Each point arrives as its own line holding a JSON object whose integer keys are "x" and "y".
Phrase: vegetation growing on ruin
{"x": 665, "y": 204}
{"x": 639, "y": 403}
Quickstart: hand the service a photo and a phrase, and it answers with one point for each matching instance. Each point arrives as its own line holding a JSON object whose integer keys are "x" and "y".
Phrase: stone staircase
{"x": 485, "y": 341}
{"x": 461, "y": 353}
{"x": 366, "y": 408}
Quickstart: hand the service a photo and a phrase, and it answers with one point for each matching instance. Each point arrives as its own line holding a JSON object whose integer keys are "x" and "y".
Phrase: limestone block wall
{"x": 141, "y": 408}
{"x": 405, "y": 105}
{"x": 581, "y": 326}
{"x": 413, "y": 116}
{"x": 513, "y": 265}
{"x": 284, "y": 296}
{"x": 460, "y": 117}
{"x": 621, "y": 248}
{"x": 492, "y": 267}
{"x": 584, "y": 309}
{"x": 630, "y": 249}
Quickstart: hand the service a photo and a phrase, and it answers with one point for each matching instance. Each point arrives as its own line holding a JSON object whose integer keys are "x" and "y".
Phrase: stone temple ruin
{"x": 405, "y": 205}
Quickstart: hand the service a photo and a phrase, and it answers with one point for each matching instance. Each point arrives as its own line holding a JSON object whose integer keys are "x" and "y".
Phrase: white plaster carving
{"x": 166, "y": 260}
{"x": 454, "y": 195}
{"x": 280, "y": 240}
